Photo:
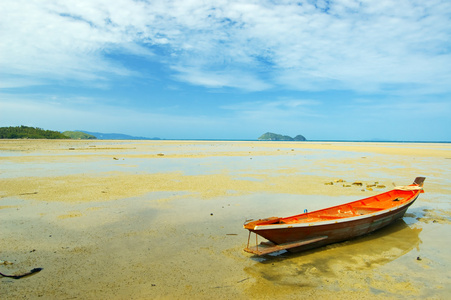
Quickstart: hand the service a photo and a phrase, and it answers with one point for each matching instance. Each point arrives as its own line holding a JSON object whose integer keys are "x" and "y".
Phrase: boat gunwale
{"x": 336, "y": 221}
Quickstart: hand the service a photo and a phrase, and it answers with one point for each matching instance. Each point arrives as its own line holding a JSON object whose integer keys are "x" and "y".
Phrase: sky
{"x": 229, "y": 69}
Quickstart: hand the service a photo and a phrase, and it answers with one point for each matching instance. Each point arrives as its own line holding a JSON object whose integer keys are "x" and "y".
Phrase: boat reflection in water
{"x": 378, "y": 248}
{"x": 353, "y": 261}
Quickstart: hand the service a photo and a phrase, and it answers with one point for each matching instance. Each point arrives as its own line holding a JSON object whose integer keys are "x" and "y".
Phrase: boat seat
{"x": 330, "y": 217}
{"x": 368, "y": 208}
{"x": 363, "y": 210}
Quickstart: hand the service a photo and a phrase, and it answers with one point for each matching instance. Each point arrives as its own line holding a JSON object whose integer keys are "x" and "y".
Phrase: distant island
{"x": 269, "y": 136}
{"x": 25, "y": 132}
{"x": 78, "y": 135}
{"x": 115, "y": 136}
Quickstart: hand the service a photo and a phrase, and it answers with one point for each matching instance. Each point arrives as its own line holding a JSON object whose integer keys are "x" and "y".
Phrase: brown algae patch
{"x": 8, "y": 206}
{"x": 72, "y": 214}
{"x": 440, "y": 216}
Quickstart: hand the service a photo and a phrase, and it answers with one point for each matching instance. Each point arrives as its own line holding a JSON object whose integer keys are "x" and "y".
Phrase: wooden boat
{"x": 334, "y": 224}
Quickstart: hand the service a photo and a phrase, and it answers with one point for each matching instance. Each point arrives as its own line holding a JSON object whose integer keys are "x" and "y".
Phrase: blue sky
{"x": 226, "y": 69}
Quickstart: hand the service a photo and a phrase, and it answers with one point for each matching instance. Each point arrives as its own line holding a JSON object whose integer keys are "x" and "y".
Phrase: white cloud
{"x": 219, "y": 79}
{"x": 278, "y": 111}
{"x": 253, "y": 45}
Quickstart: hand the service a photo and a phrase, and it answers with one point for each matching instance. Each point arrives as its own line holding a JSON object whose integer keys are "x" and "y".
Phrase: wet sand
{"x": 163, "y": 219}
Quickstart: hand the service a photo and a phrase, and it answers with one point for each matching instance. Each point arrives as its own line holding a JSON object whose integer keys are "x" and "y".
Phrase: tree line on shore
{"x": 26, "y": 132}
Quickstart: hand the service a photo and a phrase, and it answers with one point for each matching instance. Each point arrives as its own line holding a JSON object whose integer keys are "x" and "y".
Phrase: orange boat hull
{"x": 335, "y": 232}
{"x": 335, "y": 224}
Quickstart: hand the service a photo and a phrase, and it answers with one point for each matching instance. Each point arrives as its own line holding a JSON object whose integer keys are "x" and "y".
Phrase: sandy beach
{"x": 163, "y": 219}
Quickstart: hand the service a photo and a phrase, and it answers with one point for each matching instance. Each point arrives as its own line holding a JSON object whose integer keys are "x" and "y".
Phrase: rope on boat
{"x": 408, "y": 188}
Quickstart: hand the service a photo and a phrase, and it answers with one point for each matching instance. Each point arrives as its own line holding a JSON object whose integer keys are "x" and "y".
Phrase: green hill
{"x": 269, "y": 136}
{"x": 117, "y": 136}
{"x": 299, "y": 137}
{"x": 78, "y": 135}
{"x": 25, "y": 132}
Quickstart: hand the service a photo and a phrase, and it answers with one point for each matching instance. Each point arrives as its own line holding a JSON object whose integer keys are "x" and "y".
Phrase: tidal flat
{"x": 163, "y": 219}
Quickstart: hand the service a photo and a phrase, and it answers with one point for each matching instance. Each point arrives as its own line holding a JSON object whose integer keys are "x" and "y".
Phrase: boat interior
{"x": 384, "y": 201}
{"x": 358, "y": 208}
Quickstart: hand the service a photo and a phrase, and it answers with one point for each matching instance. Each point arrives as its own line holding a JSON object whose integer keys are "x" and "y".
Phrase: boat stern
{"x": 252, "y": 224}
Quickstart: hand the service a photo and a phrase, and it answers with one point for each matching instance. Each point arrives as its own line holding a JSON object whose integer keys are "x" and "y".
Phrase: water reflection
{"x": 398, "y": 236}
{"x": 365, "y": 253}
